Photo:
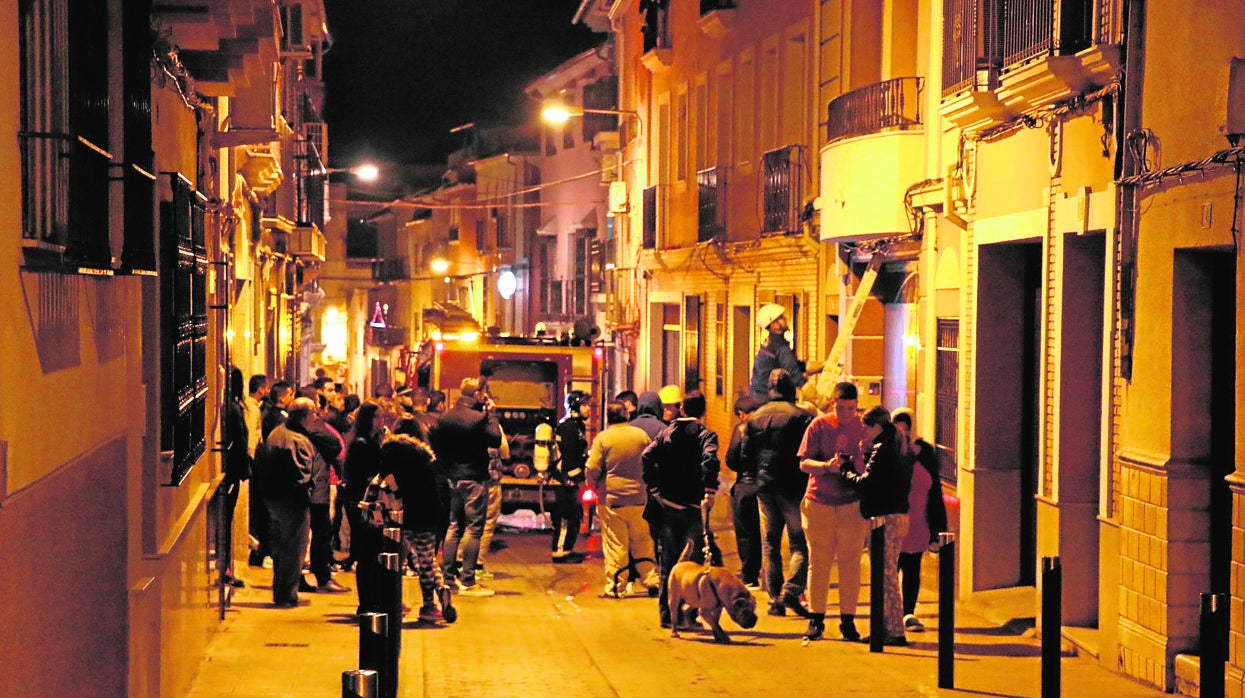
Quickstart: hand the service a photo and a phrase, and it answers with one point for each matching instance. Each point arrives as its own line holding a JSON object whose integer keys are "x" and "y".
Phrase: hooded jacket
{"x": 648, "y": 414}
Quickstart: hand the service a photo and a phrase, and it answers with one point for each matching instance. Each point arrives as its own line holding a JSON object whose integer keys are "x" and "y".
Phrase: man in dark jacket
{"x": 283, "y": 476}
{"x": 883, "y": 488}
{"x": 680, "y": 469}
{"x": 461, "y": 439}
{"x": 771, "y": 440}
{"x": 746, "y": 510}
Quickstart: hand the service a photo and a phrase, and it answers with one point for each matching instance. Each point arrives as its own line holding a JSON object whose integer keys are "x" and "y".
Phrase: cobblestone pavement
{"x": 547, "y": 632}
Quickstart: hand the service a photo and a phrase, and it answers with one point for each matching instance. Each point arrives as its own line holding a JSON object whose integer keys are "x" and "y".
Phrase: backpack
{"x": 380, "y": 502}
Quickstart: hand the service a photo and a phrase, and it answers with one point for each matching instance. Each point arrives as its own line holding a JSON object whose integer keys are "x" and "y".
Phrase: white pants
{"x": 625, "y": 536}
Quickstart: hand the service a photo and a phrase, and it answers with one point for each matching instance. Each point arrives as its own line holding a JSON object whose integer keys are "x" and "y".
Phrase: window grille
{"x": 946, "y": 407}
{"x": 184, "y": 310}
{"x": 711, "y": 202}
{"x": 64, "y": 131}
{"x": 782, "y": 197}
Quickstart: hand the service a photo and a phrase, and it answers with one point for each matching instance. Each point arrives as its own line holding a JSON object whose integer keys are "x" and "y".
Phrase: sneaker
{"x": 913, "y": 624}
{"x": 429, "y": 614}
{"x": 571, "y": 558}
{"x": 448, "y": 612}
{"x": 777, "y": 609}
{"x": 476, "y": 589}
{"x": 332, "y": 587}
{"x": 484, "y": 574}
{"x": 612, "y": 592}
{"x": 816, "y": 626}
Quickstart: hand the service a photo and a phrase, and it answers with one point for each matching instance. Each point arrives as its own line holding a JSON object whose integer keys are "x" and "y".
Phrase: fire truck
{"x": 528, "y": 379}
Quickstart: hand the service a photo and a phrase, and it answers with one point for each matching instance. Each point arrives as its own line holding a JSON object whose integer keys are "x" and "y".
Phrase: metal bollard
{"x": 373, "y": 639}
{"x": 1052, "y": 624}
{"x": 391, "y": 602}
{"x": 391, "y": 540}
{"x": 1213, "y": 640}
{"x": 946, "y": 610}
{"x": 877, "y": 582}
{"x": 359, "y": 683}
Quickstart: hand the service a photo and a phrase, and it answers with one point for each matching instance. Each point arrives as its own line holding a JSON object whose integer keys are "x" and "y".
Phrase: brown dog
{"x": 709, "y": 590}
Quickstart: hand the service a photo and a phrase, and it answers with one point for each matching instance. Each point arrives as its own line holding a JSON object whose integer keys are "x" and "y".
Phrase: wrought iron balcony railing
{"x": 782, "y": 173}
{"x": 390, "y": 269}
{"x": 890, "y": 104}
{"x": 982, "y": 38}
{"x": 65, "y": 198}
{"x": 711, "y": 200}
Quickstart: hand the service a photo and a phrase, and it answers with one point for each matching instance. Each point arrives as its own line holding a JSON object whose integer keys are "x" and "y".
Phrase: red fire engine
{"x": 528, "y": 379}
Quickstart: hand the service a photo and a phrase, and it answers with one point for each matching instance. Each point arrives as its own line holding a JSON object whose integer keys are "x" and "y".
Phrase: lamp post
{"x": 366, "y": 172}
{"x": 555, "y": 111}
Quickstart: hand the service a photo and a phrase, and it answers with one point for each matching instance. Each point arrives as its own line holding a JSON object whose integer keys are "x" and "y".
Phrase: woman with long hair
{"x": 361, "y": 465}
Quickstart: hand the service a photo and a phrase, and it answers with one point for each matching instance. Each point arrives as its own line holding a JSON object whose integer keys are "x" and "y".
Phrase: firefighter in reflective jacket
{"x": 567, "y": 474}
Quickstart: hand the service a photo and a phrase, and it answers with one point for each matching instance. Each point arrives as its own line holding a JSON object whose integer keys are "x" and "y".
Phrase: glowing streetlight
{"x": 366, "y": 172}
{"x": 440, "y": 266}
{"x": 555, "y": 111}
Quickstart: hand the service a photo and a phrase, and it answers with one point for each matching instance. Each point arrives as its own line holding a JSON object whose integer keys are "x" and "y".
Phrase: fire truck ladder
{"x": 832, "y": 369}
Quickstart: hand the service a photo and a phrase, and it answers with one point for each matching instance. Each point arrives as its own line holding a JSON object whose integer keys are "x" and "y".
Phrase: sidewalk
{"x": 547, "y": 632}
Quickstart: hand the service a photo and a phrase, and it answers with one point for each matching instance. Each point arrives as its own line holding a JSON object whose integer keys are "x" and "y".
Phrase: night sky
{"x": 402, "y": 73}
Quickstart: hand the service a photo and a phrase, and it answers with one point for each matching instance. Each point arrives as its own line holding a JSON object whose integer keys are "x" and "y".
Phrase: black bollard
{"x": 1213, "y": 640}
{"x": 946, "y": 610}
{"x": 391, "y": 540}
{"x": 1052, "y": 625}
{"x": 359, "y": 683}
{"x": 877, "y": 582}
{"x": 373, "y": 640}
{"x": 391, "y": 603}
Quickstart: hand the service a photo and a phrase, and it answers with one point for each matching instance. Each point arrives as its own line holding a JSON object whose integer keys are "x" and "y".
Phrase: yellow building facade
{"x": 145, "y": 164}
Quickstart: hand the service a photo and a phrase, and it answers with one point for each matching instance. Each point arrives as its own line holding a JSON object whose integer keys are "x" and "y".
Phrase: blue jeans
{"x": 468, "y": 511}
{"x": 783, "y": 512}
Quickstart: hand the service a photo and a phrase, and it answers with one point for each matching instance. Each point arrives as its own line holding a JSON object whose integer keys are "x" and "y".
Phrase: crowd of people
{"x": 328, "y": 473}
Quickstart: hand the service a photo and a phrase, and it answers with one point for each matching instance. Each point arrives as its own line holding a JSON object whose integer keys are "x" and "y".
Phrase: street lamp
{"x": 366, "y": 172}
{"x": 555, "y": 111}
{"x": 439, "y": 266}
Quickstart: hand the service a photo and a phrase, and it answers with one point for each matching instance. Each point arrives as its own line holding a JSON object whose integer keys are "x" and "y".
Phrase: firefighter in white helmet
{"x": 775, "y": 352}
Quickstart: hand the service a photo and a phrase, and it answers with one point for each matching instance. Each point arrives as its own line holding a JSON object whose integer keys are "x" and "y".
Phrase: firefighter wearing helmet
{"x": 775, "y": 352}
{"x": 567, "y": 473}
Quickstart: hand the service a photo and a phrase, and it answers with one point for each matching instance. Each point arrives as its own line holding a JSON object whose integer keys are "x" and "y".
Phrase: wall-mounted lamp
{"x": 439, "y": 266}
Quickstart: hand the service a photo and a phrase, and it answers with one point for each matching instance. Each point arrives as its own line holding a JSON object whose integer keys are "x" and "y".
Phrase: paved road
{"x": 548, "y": 633}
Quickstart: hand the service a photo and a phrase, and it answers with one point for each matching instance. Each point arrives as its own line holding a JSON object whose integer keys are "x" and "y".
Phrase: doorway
{"x": 1203, "y": 403}
{"x": 1006, "y": 412}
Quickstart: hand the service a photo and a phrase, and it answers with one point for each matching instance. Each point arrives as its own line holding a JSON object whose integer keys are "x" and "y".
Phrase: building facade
{"x": 155, "y": 239}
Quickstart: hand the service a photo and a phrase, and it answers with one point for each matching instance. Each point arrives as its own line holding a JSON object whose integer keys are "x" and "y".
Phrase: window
{"x": 546, "y": 260}
{"x": 64, "y": 133}
{"x": 602, "y": 94}
{"x": 692, "y": 322}
{"x": 770, "y": 104}
{"x": 946, "y": 405}
{"x": 719, "y": 347}
{"x": 138, "y": 254}
{"x": 656, "y": 27}
{"x": 745, "y": 100}
{"x": 702, "y": 124}
{"x": 662, "y": 141}
{"x": 648, "y": 231}
{"x": 568, "y": 136}
{"x": 361, "y": 240}
{"x": 183, "y": 352}
{"x": 782, "y": 194}
{"x": 725, "y": 95}
{"x": 681, "y": 130}
{"x": 583, "y": 262}
{"x": 481, "y": 236}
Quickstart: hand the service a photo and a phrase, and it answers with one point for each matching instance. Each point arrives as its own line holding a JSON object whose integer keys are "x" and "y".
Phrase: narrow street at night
{"x": 548, "y": 632}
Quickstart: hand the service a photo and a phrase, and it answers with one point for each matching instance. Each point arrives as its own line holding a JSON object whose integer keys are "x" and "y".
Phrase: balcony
{"x": 386, "y": 337}
{"x": 888, "y": 105}
{"x": 307, "y": 243}
{"x": 658, "y": 48}
{"x": 389, "y": 270}
{"x": 1006, "y": 58}
{"x": 65, "y": 204}
{"x": 717, "y": 17}
{"x": 711, "y": 204}
{"x": 782, "y": 195}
